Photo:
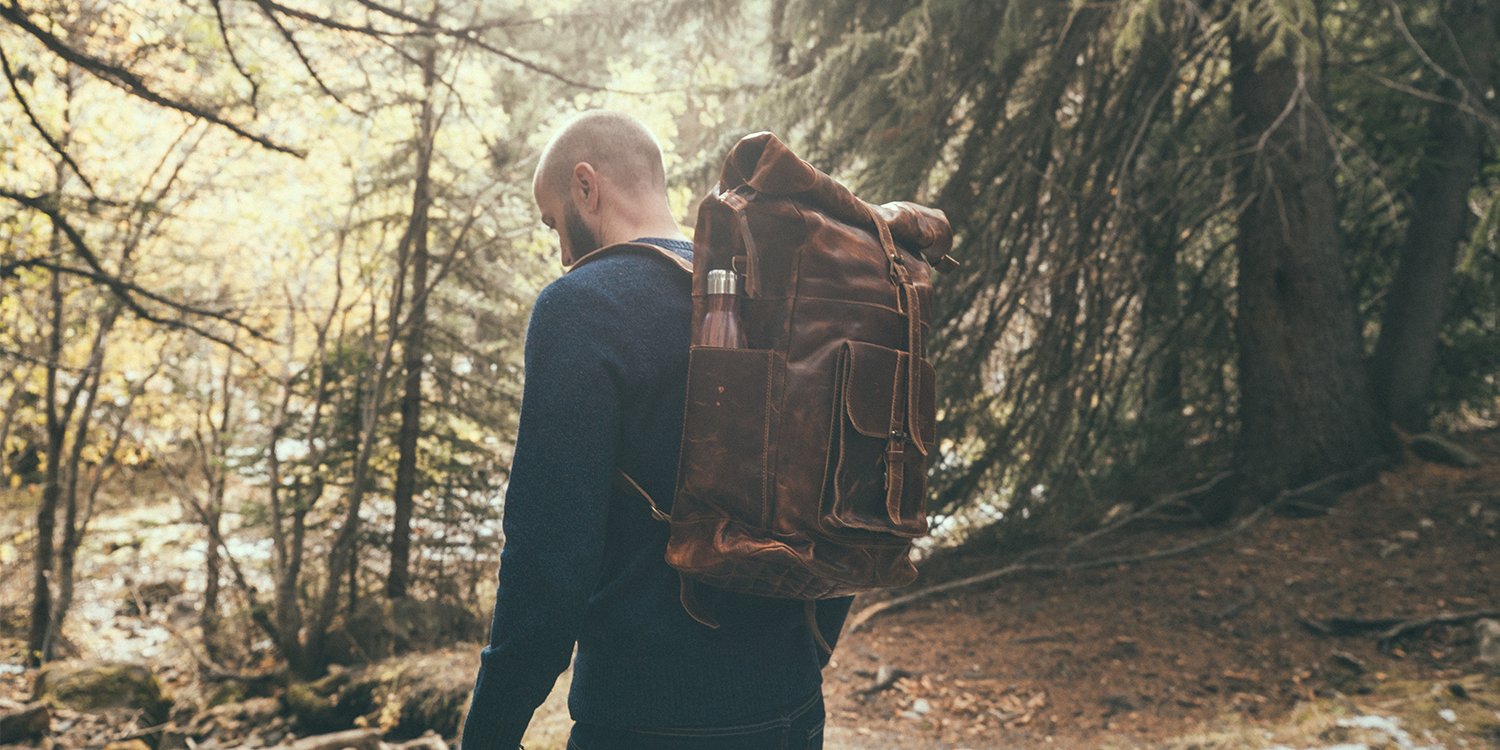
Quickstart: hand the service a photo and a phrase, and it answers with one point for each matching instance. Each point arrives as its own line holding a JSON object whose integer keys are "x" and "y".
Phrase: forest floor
{"x": 1212, "y": 650}
{"x": 1209, "y": 650}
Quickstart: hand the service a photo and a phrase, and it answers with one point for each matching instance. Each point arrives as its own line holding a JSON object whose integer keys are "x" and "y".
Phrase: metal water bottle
{"x": 721, "y": 324}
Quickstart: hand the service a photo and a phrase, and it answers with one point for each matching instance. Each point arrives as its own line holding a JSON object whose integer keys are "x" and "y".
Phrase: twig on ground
{"x": 1388, "y": 629}
{"x": 885, "y": 678}
{"x": 865, "y": 615}
{"x": 141, "y": 734}
{"x": 1161, "y": 503}
{"x": 1251, "y": 594}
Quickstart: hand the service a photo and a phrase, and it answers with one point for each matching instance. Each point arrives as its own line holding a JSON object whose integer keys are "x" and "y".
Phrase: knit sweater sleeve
{"x": 555, "y": 509}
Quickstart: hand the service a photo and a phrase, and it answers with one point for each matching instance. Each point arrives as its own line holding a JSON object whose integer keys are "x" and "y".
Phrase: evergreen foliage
{"x": 1084, "y": 153}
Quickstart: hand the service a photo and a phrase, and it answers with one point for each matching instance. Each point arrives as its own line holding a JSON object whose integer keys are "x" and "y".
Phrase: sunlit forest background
{"x": 265, "y": 269}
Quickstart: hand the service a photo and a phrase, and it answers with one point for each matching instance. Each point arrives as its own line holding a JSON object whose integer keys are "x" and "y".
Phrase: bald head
{"x": 615, "y": 144}
{"x": 600, "y": 181}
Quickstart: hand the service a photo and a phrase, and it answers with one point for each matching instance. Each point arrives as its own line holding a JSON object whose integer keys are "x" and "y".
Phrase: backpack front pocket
{"x": 726, "y": 434}
{"x": 883, "y": 423}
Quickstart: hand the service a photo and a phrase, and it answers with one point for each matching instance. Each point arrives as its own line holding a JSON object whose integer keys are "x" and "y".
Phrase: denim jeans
{"x": 797, "y": 728}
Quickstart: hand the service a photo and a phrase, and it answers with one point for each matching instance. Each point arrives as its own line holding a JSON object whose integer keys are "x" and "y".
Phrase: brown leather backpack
{"x": 803, "y": 465}
{"x": 803, "y": 458}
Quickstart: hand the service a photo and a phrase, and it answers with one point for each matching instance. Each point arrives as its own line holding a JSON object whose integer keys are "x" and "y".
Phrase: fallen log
{"x": 352, "y": 739}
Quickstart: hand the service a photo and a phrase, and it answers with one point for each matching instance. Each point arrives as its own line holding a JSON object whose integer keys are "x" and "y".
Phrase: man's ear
{"x": 585, "y": 187}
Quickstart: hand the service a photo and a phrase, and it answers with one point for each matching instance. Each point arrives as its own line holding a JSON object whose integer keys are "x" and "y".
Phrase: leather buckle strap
{"x": 915, "y": 349}
{"x": 810, "y": 609}
{"x": 624, "y": 483}
{"x": 895, "y": 265}
{"x": 691, "y": 605}
{"x": 737, "y": 200}
{"x": 895, "y": 477}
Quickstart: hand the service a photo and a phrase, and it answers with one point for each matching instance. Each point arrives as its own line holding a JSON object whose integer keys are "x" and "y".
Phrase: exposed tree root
{"x": 1026, "y": 563}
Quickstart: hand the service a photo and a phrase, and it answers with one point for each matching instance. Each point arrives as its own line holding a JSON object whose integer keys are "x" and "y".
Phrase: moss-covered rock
{"x": 422, "y": 692}
{"x": 228, "y": 691}
{"x": 329, "y": 704}
{"x": 404, "y": 697}
{"x": 103, "y": 686}
{"x": 128, "y": 745}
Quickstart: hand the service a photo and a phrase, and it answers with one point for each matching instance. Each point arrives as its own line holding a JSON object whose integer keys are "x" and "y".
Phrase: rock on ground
{"x": 405, "y": 696}
{"x": 23, "y": 721}
{"x": 99, "y": 686}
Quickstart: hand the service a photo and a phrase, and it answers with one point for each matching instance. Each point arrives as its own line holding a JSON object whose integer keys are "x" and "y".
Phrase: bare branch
{"x": 36, "y": 124}
{"x": 124, "y": 290}
{"x": 307, "y": 65}
{"x": 126, "y": 80}
{"x": 468, "y": 35}
{"x": 44, "y": 362}
{"x": 234, "y": 57}
{"x": 1025, "y": 565}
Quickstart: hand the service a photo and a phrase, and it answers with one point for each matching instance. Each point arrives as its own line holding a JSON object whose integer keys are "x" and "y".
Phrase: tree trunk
{"x": 343, "y": 557}
{"x": 284, "y": 621}
{"x": 1402, "y": 368}
{"x": 1161, "y": 310}
{"x": 1305, "y": 406}
{"x": 781, "y": 46}
{"x": 1161, "y": 301}
{"x": 215, "y": 460}
{"x": 46, "y": 513}
{"x": 73, "y": 523}
{"x": 404, "y": 496}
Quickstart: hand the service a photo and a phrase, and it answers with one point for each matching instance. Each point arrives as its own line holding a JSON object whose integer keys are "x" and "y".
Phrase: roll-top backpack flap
{"x": 757, "y": 214}
{"x": 921, "y": 230}
{"x": 763, "y": 163}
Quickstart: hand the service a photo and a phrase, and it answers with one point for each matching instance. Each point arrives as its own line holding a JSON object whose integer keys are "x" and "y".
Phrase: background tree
{"x": 1458, "y": 59}
{"x": 1305, "y": 405}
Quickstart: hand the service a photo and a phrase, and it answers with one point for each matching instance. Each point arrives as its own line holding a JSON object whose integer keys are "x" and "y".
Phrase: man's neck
{"x": 653, "y": 219}
{"x": 626, "y": 233}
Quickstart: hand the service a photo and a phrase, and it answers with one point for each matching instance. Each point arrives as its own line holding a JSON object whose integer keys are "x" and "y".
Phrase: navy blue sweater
{"x": 606, "y": 374}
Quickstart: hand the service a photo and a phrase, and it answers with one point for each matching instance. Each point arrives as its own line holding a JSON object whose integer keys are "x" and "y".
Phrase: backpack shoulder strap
{"x": 686, "y": 594}
{"x": 629, "y": 486}
{"x": 643, "y": 248}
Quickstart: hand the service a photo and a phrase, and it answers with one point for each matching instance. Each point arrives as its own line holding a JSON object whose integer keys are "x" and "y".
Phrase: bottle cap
{"x": 721, "y": 281}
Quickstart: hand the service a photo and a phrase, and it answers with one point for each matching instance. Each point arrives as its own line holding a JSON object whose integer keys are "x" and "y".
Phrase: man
{"x": 606, "y": 371}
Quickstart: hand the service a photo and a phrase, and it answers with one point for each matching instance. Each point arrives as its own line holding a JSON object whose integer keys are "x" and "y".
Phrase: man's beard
{"x": 581, "y": 239}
